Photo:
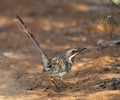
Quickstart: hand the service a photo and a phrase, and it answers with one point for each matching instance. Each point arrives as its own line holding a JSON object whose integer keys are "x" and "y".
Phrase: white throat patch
{"x": 70, "y": 58}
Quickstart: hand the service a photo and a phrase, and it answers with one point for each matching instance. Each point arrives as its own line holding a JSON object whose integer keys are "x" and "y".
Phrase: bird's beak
{"x": 81, "y": 49}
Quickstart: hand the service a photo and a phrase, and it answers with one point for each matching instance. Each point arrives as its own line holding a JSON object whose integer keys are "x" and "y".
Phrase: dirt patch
{"x": 57, "y": 25}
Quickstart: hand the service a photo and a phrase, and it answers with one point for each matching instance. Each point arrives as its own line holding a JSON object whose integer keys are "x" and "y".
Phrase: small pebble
{"x": 7, "y": 54}
{"x": 12, "y": 66}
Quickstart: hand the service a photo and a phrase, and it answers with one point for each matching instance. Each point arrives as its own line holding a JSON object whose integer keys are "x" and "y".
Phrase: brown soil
{"x": 57, "y": 24}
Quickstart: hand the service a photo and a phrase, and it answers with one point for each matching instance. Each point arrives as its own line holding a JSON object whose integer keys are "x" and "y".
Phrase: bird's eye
{"x": 74, "y": 51}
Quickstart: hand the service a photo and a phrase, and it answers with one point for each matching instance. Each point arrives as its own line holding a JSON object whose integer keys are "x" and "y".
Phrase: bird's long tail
{"x": 33, "y": 40}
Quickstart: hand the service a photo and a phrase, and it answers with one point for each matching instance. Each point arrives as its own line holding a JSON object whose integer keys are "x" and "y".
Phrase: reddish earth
{"x": 57, "y": 25}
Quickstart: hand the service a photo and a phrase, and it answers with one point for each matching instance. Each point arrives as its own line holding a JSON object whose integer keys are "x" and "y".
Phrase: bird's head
{"x": 71, "y": 53}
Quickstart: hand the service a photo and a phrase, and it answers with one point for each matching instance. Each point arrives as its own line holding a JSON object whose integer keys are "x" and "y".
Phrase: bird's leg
{"x": 52, "y": 79}
{"x": 63, "y": 82}
{"x": 61, "y": 79}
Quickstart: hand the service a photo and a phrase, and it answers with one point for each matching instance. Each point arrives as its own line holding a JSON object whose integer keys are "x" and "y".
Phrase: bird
{"x": 60, "y": 64}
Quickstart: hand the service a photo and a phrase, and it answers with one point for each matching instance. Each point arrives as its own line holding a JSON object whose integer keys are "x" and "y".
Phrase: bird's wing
{"x": 33, "y": 40}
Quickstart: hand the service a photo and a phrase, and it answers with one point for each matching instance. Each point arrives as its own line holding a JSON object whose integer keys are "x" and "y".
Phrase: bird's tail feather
{"x": 33, "y": 40}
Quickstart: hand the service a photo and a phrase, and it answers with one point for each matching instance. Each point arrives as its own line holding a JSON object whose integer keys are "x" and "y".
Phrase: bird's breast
{"x": 60, "y": 65}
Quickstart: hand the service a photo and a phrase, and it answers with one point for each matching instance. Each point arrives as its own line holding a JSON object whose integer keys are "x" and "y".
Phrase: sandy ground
{"x": 57, "y": 25}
